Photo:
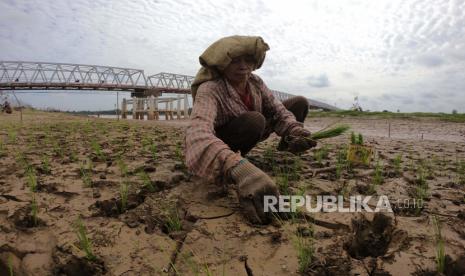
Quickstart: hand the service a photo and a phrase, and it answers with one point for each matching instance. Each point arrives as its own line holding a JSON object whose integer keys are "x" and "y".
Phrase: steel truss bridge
{"x": 25, "y": 75}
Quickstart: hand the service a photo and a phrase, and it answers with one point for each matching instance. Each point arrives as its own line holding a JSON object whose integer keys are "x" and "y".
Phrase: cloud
{"x": 430, "y": 61}
{"x": 318, "y": 81}
{"x": 347, "y": 75}
{"x": 374, "y": 48}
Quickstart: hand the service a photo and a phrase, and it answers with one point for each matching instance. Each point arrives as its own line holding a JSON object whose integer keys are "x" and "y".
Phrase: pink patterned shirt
{"x": 216, "y": 104}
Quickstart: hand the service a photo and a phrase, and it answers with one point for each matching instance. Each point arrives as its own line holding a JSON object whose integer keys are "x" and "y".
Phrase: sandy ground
{"x": 174, "y": 223}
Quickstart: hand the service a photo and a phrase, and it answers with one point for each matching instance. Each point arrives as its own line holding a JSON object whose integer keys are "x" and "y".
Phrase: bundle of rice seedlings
{"x": 330, "y": 133}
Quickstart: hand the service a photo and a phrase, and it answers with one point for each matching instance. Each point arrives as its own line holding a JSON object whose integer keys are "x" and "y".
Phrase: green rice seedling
{"x": 173, "y": 222}
{"x": 296, "y": 168}
{"x": 45, "y": 164}
{"x": 22, "y": 161}
{"x": 73, "y": 157}
{"x": 440, "y": 250}
{"x": 86, "y": 173}
{"x": 421, "y": 177}
{"x": 87, "y": 127}
{"x": 269, "y": 155}
{"x": 341, "y": 161}
{"x": 421, "y": 189}
{"x": 12, "y": 136}
{"x": 146, "y": 181}
{"x": 397, "y": 164}
{"x": 353, "y": 138}
{"x": 124, "y": 193}
{"x": 153, "y": 151}
{"x": 84, "y": 242}
{"x": 318, "y": 155}
{"x": 10, "y": 265}
{"x": 192, "y": 264}
{"x": 2, "y": 149}
{"x": 356, "y": 139}
{"x": 378, "y": 178}
{"x": 57, "y": 149}
{"x": 360, "y": 139}
{"x": 34, "y": 209}
{"x": 329, "y": 133}
{"x": 178, "y": 152}
{"x": 461, "y": 172}
{"x": 321, "y": 154}
{"x": 123, "y": 168}
{"x": 411, "y": 166}
{"x": 426, "y": 168}
{"x": 31, "y": 179}
{"x": 90, "y": 165}
{"x": 305, "y": 252}
{"x": 283, "y": 181}
{"x": 97, "y": 150}
{"x": 146, "y": 143}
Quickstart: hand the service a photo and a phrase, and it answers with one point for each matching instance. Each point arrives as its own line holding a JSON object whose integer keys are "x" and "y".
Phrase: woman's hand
{"x": 299, "y": 140}
{"x": 252, "y": 186}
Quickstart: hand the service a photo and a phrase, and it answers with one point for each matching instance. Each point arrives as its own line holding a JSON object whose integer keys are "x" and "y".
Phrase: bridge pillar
{"x": 150, "y": 111}
{"x": 178, "y": 107}
{"x": 155, "y": 104}
{"x": 167, "y": 112}
{"x": 124, "y": 108}
{"x": 171, "y": 110}
{"x": 186, "y": 107}
{"x": 137, "y": 108}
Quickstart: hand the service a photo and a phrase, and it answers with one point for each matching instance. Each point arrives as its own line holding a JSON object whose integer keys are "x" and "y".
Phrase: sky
{"x": 406, "y": 55}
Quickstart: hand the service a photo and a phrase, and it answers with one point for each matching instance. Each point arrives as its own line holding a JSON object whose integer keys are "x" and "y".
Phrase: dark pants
{"x": 245, "y": 131}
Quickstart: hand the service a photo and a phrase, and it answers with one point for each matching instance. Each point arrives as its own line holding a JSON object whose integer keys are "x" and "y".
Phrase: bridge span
{"x": 27, "y": 75}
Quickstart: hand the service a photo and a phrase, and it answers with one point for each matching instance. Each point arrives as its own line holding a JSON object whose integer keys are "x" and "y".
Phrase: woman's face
{"x": 240, "y": 68}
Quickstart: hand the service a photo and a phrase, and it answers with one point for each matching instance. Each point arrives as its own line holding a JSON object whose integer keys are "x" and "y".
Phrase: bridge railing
{"x": 62, "y": 73}
{"x": 27, "y": 75}
{"x": 169, "y": 80}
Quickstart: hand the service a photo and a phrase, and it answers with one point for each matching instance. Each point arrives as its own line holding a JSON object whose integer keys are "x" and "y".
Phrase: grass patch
{"x": 458, "y": 118}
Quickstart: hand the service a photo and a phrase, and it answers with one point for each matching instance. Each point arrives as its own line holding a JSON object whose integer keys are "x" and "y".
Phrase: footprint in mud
{"x": 370, "y": 238}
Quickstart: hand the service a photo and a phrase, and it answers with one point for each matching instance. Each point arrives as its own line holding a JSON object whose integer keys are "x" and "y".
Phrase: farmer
{"x": 233, "y": 110}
